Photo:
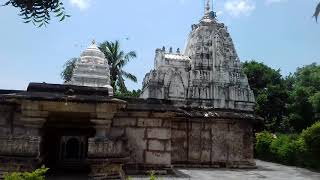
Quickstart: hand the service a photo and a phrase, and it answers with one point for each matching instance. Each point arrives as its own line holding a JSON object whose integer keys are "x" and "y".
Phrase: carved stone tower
{"x": 208, "y": 73}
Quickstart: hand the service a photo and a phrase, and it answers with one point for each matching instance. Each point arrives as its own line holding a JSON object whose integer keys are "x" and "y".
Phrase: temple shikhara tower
{"x": 92, "y": 69}
{"x": 208, "y": 73}
{"x": 195, "y": 110}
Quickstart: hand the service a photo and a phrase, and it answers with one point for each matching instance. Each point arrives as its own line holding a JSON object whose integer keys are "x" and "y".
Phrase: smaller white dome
{"x": 92, "y": 69}
{"x": 93, "y": 55}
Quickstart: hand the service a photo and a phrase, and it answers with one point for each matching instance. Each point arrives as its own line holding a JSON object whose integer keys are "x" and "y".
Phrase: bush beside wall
{"x": 38, "y": 174}
{"x": 291, "y": 149}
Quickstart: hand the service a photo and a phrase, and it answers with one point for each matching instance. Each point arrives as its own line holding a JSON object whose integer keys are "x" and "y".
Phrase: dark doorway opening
{"x": 65, "y": 144}
{"x": 73, "y": 148}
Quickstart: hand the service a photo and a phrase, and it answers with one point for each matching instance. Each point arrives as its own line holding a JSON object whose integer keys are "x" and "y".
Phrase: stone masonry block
{"x": 139, "y": 114}
{"x": 116, "y": 132}
{"x": 156, "y": 145}
{"x": 166, "y": 123}
{"x": 158, "y": 133}
{"x": 137, "y": 143}
{"x": 179, "y": 134}
{"x": 168, "y": 146}
{"x": 4, "y": 118}
{"x": 146, "y": 122}
{"x": 124, "y": 122}
{"x": 162, "y": 115}
{"x": 158, "y": 158}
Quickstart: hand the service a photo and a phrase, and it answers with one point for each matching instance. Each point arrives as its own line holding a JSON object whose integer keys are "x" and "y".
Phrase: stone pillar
{"x": 105, "y": 156}
{"x": 102, "y": 118}
{"x": 102, "y": 127}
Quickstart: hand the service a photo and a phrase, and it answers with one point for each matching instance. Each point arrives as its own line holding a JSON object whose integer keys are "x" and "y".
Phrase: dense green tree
{"x": 286, "y": 104}
{"x": 260, "y": 75}
{"x": 39, "y": 12}
{"x": 117, "y": 59}
{"x": 271, "y": 94}
{"x": 305, "y": 97}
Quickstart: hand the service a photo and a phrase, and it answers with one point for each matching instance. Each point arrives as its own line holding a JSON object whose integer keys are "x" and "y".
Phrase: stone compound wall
{"x": 149, "y": 137}
{"x": 212, "y": 142}
{"x": 158, "y": 137}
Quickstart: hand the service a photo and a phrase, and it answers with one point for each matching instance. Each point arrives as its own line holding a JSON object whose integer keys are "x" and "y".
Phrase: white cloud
{"x": 218, "y": 13}
{"x": 268, "y": 2}
{"x": 81, "y": 4}
{"x": 239, "y": 7}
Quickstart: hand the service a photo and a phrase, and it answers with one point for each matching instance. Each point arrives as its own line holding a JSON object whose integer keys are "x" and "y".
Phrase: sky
{"x": 279, "y": 33}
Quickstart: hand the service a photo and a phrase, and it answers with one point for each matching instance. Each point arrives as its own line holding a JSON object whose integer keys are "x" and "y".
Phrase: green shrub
{"x": 262, "y": 147}
{"x": 286, "y": 148}
{"x": 38, "y": 174}
{"x": 153, "y": 175}
{"x": 300, "y": 150}
{"x": 311, "y": 137}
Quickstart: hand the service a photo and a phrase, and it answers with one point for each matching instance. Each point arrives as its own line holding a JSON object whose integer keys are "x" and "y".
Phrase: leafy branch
{"x": 39, "y": 12}
{"x": 317, "y": 12}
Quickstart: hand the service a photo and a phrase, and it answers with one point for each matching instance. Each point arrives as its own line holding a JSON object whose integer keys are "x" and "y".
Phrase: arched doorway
{"x": 73, "y": 148}
{"x": 65, "y": 143}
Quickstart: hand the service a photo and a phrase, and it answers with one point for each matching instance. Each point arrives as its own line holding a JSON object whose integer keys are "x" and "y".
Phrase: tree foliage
{"x": 39, "y": 12}
{"x": 270, "y": 92}
{"x": 132, "y": 94}
{"x": 68, "y": 68}
{"x": 288, "y": 104}
{"x": 117, "y": 59}
{"x": 305, "y": 97}
{"x": 317, "y": 12}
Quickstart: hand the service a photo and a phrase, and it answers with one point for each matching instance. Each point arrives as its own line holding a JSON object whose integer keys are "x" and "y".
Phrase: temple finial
{"x": 93, "y": 41}
{"x": 208, "y": 7}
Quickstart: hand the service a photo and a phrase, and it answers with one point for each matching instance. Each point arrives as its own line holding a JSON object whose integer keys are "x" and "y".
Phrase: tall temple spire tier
{"x": 208, "y": 73}
{"x": 92, "y": 69}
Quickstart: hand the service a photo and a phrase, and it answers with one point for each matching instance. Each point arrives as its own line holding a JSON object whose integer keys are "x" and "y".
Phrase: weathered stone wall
{"x": 6, "y": 118}
{"x": 18, "y": 151}
{"x": 156, "y": 135}
{"x": 149, "y": 136}
{"x": 212, "y": 142}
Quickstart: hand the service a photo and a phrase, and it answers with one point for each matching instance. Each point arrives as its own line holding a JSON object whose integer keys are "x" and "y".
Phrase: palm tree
{"x": 68, "y": 68}
{"x": 117, "y": 59}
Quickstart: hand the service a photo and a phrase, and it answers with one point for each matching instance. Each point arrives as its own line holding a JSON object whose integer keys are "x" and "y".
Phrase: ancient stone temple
{"x": 208, "y": 73}
{"x": 196, "y": 110}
